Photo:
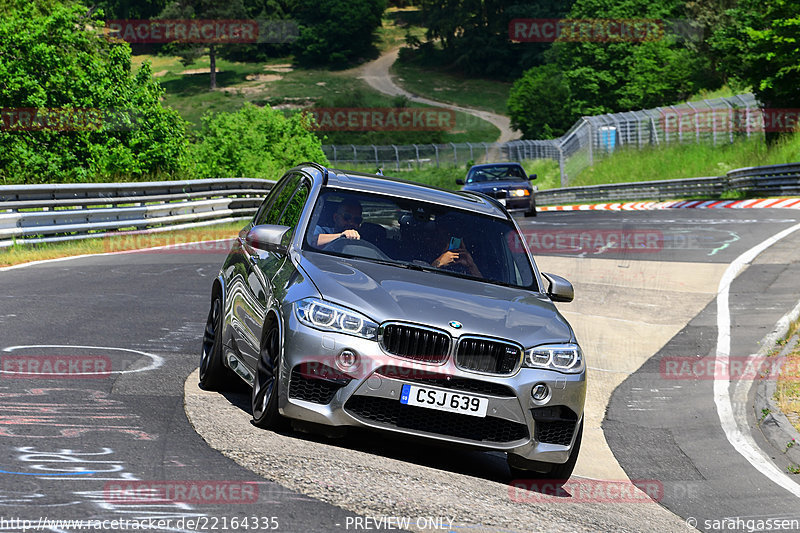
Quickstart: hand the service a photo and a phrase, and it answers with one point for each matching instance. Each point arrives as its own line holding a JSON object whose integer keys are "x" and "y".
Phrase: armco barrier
{"x": 775, "y": 180}
{"x": 49, "y": 213}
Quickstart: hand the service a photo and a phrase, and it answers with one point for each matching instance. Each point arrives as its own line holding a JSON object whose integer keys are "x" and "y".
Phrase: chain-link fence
{"x": 721, "y": 120}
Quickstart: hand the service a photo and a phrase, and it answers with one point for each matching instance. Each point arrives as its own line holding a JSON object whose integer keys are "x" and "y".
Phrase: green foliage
{"x": 54, "y": 60}
{"x": 336, "y": 32}
{"x": 254, "y": 142}
{"x": 618, "y": 76}
{"x": 474, "y": 36}
{"x": 539, "y": 103}
{"x": 760, "y": 44}
{"x": 604, "y": 76}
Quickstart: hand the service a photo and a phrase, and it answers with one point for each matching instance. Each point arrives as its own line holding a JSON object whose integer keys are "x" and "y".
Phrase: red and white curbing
{"x": 753, "y": 203}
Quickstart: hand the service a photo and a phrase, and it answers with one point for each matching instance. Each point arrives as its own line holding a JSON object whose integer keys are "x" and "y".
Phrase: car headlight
{"x": 561, "y": 357}
{"x": 330, "y": 317}
{"x": 520, "y": 192}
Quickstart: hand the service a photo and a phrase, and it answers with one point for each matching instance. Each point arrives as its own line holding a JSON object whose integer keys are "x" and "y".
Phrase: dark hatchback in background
{"x": 507, "y": 182}
{"x": 359, "y": 300}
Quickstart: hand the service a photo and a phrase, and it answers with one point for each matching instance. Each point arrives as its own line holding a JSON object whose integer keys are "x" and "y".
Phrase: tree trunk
{"x": 212, "y": 55}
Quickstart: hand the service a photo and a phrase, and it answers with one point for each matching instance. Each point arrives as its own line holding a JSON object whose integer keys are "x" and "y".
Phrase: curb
{"x": 752, "y": 203}
{"x": 774, "y": 426}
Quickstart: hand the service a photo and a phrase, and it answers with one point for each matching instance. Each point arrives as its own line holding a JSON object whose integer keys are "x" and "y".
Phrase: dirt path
{"x": 376, "y": 74}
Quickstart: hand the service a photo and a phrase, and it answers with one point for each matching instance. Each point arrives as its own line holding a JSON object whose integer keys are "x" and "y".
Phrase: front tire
{"x": 214, "y": 375}
{"x": 532, "y": 211}
{"x": 264, "y": 397}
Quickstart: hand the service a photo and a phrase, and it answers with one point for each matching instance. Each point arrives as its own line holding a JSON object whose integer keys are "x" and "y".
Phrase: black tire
{"x": 264, "y": 397}
{"x": 532, "y": 211}
{"x": 559, "y": 473}
{"x": 214, "y": 375}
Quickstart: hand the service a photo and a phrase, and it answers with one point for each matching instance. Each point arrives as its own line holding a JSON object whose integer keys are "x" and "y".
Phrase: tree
{"x": 761, "y": 46}
{"x": 209, "y": 10}
{"x": 336, "y": 32}
{"x": 474, "y": 34}
{"x": 253, "y": 142}
{"x": 93, "y": 119}
{"x": 539, "y": 103}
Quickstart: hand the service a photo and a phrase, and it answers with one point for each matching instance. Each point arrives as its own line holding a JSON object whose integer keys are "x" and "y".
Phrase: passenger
{"x": 453, "y": 254}
{"x": 346, "y": 222}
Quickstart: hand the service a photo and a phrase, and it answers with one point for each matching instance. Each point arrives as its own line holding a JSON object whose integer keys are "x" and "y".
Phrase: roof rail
{"x": 319, "y": 167}
{"x": 491, "y": 199}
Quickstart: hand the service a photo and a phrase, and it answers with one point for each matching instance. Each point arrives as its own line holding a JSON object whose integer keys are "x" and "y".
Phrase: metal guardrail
{"x": 647, "y": 190}
{"x": 775, "y": 180}
{"x": 50, "y": 213}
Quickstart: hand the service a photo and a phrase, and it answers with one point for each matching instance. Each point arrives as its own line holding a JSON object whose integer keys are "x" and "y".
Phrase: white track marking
{"x": 157, "y": 360}
{"x": 138, "y": 250}
{"x": 734, "y": 422}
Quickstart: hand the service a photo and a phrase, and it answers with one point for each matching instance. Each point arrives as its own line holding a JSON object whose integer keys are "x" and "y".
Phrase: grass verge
{"x": 787, "y": 393}
{"x": 25, "y": 253}
{"x": 686, "y": 161}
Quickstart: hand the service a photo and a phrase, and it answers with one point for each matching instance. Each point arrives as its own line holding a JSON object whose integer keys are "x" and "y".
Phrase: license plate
{"x": 449, "y": 401}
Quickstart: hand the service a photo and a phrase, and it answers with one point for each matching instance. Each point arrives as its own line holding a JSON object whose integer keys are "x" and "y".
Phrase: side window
{"x": 268, "y": 201}
{"x": 273, "y": 213}
{"x": 291, "y": 215}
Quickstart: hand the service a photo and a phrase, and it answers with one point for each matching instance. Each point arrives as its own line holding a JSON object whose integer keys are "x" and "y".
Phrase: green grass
{"x": 453, "y": 88}
{"x": 280, "y": 85}
{"x": 686, "y": 161}
{"x": 24, "y": 253}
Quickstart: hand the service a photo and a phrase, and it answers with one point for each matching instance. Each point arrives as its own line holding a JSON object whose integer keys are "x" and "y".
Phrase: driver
{"x": 346, "y": 222}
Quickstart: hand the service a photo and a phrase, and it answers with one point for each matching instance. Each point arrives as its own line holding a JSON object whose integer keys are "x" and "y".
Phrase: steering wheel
{"x": 360, "y": 248}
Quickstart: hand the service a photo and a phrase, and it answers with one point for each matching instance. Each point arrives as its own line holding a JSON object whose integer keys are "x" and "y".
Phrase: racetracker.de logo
{"x": 203, "y": 31}
{"x": 585, "y": 491}
{"x": 16, "y": 119}
{"x": 740, "y": 120}
{"x": 585, "y": 30}
{"x": 586, "y": 241}
{"x": 383, "y": 119}
{"x": 56, "y": 366}
{"x": 729, "y": 368}
{"x": 186, "y": 491}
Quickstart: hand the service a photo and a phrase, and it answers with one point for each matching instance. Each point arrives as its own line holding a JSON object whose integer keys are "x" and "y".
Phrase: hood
{"x": 384, "y": 292}
{"x": 497, "y": 184}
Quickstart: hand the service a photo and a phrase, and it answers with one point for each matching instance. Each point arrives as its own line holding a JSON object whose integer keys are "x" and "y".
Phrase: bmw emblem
{"x": 455, "y": 324}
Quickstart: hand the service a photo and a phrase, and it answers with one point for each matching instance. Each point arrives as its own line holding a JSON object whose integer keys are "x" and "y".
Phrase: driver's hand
{"x": 350, "y": 234}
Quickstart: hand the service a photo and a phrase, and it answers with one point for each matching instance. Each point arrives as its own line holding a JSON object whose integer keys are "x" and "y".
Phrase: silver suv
{"x": 361, "y": 300}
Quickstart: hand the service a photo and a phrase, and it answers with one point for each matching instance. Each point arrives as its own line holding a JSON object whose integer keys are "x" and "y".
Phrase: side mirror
{"x": 560, "y": 290}
{"x": 532, "y": 177}
{"x": 268, "y": 237}
{"x": 459, "y": 181}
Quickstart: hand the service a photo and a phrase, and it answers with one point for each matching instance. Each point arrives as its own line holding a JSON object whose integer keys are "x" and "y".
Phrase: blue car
{"x": 507, "y": 182}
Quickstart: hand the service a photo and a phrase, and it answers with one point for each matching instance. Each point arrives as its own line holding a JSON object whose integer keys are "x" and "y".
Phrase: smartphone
{"x": 455, "y": 243}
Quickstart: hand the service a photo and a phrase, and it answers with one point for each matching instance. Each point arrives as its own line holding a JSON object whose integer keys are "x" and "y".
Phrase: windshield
{"x": 495, "y": 173}
{"x": 419, "y": 235}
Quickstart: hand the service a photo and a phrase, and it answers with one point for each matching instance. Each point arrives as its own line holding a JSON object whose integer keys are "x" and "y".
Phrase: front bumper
{"x": 314, "y": 389}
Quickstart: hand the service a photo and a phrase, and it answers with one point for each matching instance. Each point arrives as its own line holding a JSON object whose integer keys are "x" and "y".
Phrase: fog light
{"x": 540, "y": 392}
{"x": 347, "y": 360}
